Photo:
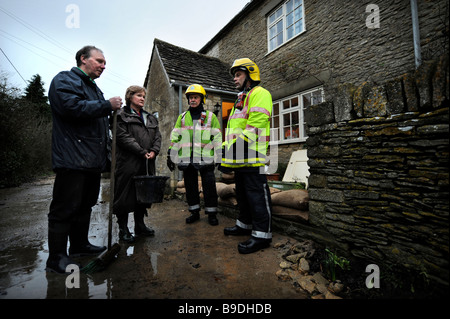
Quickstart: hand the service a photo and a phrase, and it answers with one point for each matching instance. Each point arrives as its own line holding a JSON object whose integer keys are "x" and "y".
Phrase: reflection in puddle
{"x": 130, "y": 251}
{"x": 23, "y": 256}
{"x": 33, "y": 282}
{"x": 22, "y": 268}
{"x": 154, "y": 262}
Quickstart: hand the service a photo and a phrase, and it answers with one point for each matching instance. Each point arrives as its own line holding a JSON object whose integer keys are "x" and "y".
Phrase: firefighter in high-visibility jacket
{"x": 196, "y": 146}
{"x": 244, "y": 151}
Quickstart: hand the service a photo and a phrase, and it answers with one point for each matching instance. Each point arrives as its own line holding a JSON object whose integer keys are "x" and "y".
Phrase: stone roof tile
{"x": 190, "y": 67}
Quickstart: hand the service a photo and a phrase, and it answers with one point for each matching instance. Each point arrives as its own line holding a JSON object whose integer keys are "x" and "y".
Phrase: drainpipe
{"x": 180, "y": 110}
{"x": 416, "y": 33}
{"x": 180, "y": 99}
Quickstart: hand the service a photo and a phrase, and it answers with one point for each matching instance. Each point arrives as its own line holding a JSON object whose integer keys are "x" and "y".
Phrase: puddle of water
{"x": 130, "y": 250}
{"x": 154, "y": 262}
{"x": 22, "y": 269}
{"x": 24, "y": 252}
{"x": 33, "y": 282}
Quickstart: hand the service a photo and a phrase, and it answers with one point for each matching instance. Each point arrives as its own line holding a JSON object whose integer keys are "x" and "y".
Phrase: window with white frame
{"x": 286, "y": 22}
{"x": 287, "y": 123}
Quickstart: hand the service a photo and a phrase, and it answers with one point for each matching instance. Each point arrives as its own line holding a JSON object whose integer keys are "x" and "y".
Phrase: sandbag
{"x": 225, "y": 190}
{"x": 228, "y": 178}
{"x": 230, "y": 201}
{"x": 180, "y": 184}
{"x": 274, "y": 190}
{"x": 181, "y": 190}
{"x": 290, "y": 213}
{"x": 293, "y": 198}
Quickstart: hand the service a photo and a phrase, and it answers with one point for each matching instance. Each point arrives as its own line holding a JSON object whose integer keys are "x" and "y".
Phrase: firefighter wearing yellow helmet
{"x": 195, "y": 143}
{"x": 244, "y": 151}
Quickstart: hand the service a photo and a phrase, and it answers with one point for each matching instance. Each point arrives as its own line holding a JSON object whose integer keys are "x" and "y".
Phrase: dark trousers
{"x": 74, "y": 194}
{"x": 254, "y": 201}
{"x": 208, "y": 186}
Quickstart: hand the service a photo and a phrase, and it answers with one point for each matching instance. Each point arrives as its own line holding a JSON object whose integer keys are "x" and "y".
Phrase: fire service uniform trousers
{"x": 208, "y": 186}
{"x": 255, "y": 204}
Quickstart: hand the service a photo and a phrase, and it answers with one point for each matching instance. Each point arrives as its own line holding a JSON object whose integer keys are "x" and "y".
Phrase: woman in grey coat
{"x": 138, "y": 141}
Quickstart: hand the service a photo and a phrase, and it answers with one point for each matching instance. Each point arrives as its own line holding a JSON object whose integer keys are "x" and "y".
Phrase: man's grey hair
{"x": 86, "y": 52}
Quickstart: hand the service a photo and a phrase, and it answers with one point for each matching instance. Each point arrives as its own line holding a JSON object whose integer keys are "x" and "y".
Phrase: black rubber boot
{"x": 253, "y": 245}
{"x": 79, "y": 242}
{"x": 212, "y": 219}
{"x": 140, "y": 229}
{"x": 236, "y": 231}
{"x": 195, "y": 215}
{"x": 124, "y": 232}
{"x": 57, "y": 245}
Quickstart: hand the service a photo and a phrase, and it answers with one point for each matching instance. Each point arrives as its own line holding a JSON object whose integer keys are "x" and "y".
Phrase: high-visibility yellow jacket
{"x": 198, "y": 144}
{"x": 248, "y": 130}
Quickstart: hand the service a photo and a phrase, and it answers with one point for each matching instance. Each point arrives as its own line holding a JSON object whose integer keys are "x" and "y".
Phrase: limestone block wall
{"x": 379, "y": 158}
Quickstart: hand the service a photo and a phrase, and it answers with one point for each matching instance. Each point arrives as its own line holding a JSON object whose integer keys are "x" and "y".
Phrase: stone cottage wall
{"x": 337, "y": 46}
{"x": 379, "y": 158}
{"x": 162, "y": 98}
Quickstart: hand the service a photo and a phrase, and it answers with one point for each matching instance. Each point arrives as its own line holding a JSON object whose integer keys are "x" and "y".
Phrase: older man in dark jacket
{"x": 79, "y": 154}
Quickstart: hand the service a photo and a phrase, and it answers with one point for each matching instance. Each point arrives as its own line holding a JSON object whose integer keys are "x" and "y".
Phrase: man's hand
{"x": 116, "y": 102}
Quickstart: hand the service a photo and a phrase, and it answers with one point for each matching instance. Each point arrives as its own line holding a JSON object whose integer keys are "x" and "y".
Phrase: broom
{"x": 103, "y": 260}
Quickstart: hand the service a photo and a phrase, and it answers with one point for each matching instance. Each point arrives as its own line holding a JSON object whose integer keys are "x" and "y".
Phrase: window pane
{"x": 275, "y": 109}
{"x": 287, "y": 119}
{"x": 280, "y": 26}
{"x": 275, "y": 134}
{"x": 280, "y": 39}
{"x": 298, "y": 26}
{"x": 294, "y": 101}
{"x": 289, "y": 6}
{"x": 286, "y": 105}
{"x": 295, "y": 118}
{"x": 295, "y": 133}
{"x": 274, "y": 16}
{"x": 297, "y": 3}
{"x": 298, "y": 13}
{"x": 279, "y": 13}
{"x": 287, "y": 133}
{"x": 271, "y": 18}
{"x": 272, "y": 32}
{"x": 290, "y": 19}
{"x": 276, "y": 122}
{"x": 290, "y": 32}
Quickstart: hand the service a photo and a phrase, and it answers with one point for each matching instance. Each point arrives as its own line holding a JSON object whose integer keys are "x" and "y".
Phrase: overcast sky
{"x": 42, "y": 36}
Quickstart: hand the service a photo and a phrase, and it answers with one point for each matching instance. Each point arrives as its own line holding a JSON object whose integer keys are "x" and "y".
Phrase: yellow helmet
{"x": 198, "y": 89}
{"x": 248, "y": 65}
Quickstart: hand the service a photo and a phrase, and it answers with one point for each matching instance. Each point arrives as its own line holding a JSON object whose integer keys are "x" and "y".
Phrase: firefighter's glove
{"x": 170, "y": 164}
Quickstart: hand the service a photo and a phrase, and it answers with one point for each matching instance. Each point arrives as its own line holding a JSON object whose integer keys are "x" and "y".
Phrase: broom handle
{"x": 111, "y": 187}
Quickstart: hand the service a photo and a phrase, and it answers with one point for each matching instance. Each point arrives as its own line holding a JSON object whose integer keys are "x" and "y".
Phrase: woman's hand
{"x": 150, "y": 155}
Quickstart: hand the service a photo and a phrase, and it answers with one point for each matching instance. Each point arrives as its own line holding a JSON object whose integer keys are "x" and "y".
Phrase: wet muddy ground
{"x": 180, "y": 262}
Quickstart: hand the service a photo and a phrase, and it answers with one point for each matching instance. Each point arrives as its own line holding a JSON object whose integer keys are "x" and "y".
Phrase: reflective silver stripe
{"x": 193, "y": 207}
{"x": 211, "y": 209}
{"x": 242, "y": 225}
{"x": 268, "y": 208}
{"x": 260, "y": 234}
